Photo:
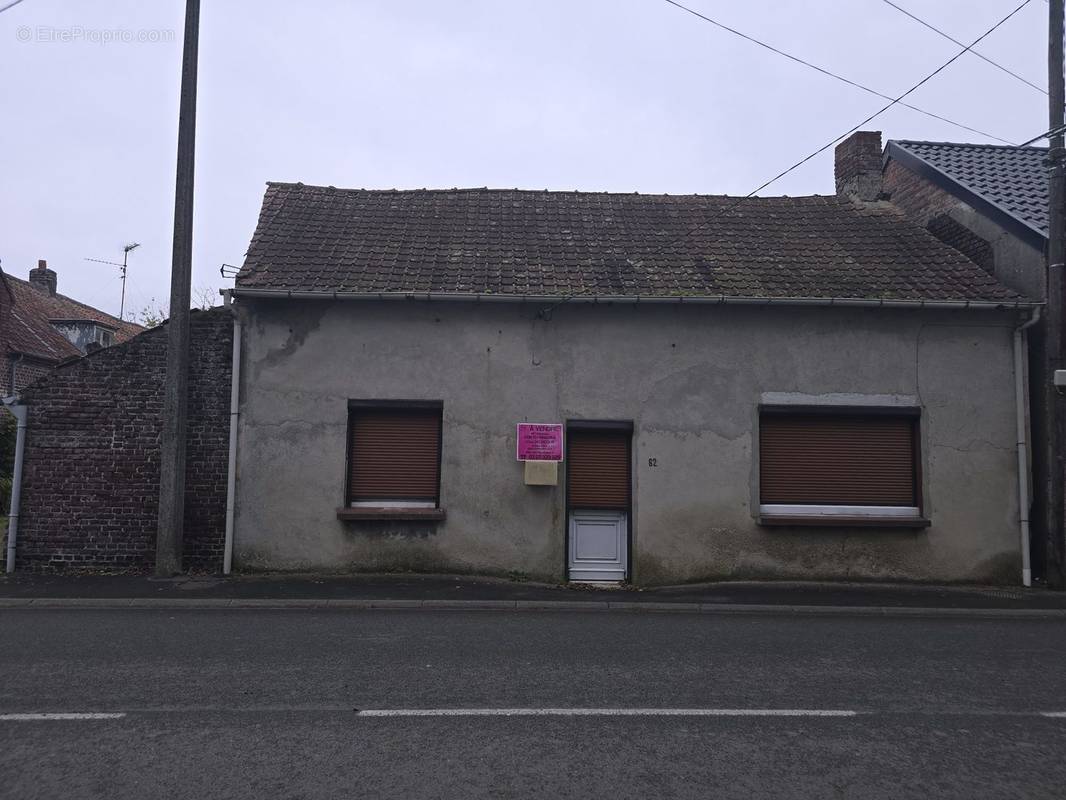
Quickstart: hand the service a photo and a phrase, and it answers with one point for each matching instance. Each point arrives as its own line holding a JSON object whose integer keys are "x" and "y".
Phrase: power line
{"x": 830, "y": 73}
{"x": 823, "y": 148}
{"x": 12, "y": 4}
{"x": 960, "y": 44}
{"x": 1045, "y": 135}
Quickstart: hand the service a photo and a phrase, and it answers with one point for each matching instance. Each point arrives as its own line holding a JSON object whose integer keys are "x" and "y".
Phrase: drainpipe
{"x": 16, "y": 481}
{"x": 231, "y": 471}
{"x": 1021, "y": 402}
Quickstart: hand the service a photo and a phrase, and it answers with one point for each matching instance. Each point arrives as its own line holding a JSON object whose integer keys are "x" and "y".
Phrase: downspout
{"x": 19, "y": 412}
{"x": 231, "y": 470}
{"x": 1021, "y": 401}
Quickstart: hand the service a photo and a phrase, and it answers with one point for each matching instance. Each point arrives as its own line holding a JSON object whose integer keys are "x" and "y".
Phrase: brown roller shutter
{"x": 837, "y": 460}
{"x": 395, "y": 454}
{"x": 597, "y": 469}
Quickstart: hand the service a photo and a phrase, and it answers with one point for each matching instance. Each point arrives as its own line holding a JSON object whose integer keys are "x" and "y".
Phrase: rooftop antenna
{"x": 122, "y": 267}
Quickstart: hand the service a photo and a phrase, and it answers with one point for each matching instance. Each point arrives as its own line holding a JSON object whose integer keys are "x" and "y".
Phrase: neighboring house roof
{"x": 491, "y": 242}
{"x": 31, "y": 331}
{"x": 1008, "y": 184}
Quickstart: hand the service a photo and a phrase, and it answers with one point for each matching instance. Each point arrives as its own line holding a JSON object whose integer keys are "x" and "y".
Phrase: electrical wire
{"x": 956, "y": 41}
{"x": 823, "y": 148}
{"x": 1045, "y": 135}
{"x": 830, "y": 73}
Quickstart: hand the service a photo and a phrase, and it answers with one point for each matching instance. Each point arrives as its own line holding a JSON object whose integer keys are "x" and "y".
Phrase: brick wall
{"x": 90, "y": 491}
{"x": 27, "y": 370}
{"x": 919, "y": 199}
{"x": 957, "y": 235}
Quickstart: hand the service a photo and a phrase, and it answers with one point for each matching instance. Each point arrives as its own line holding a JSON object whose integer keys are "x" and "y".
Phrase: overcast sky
{"x": 617, "y": 95}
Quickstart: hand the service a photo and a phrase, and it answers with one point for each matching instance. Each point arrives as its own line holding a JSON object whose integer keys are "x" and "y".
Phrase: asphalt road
{"x": 301, "y": 704}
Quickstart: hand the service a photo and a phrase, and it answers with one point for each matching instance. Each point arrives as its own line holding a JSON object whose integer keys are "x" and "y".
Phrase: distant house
{"x": 41, "y": 329}
{"x": 990, "y": 202}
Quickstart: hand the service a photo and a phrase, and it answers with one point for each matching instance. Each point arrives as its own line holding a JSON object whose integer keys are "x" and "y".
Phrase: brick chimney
{"x": 858, "y": 166}
{"x": 44, "y": 279}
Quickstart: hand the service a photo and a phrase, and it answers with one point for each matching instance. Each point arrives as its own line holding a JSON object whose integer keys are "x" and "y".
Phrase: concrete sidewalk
{"x": 466, "y": 592}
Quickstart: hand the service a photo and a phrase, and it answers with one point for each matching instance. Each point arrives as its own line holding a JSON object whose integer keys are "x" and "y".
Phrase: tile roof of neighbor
{"x": 558, "y": 244}
{"x": 1012, "y": 179}
{"x": 31, "y": 331}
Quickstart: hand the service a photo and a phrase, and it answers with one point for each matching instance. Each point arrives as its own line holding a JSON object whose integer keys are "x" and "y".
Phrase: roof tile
{"x": 514, "y": 242}
{"x": 1013, "y": 178}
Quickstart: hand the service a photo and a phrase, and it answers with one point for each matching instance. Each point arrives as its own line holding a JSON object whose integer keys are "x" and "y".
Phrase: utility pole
{"x": 175, "y": 400}
{"x": 1056, "y": 299}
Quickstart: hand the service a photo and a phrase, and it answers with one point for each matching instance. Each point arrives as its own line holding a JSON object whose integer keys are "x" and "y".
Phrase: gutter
{"x": 1021, "y": 401}
{"x": 473, "y": 297}
{"x": 231, "y": 465}
{"x": 19, "y": 412}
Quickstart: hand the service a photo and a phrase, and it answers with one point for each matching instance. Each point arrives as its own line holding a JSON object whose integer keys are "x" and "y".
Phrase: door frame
{"x": 621, "y": 426}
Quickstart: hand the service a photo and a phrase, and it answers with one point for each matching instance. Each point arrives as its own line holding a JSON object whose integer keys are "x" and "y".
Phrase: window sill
{"x": 835, "y": 520}
{"x": 371, "y": 513}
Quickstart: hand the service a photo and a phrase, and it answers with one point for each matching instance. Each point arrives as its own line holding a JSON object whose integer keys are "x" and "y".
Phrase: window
{"x": 394, "y": 455}
{"x": 843, "y": 466}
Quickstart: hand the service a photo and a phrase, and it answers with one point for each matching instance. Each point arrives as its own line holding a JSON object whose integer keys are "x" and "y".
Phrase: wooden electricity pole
{"x": 172, "y": 444}
{"x": 1056, "y": 299}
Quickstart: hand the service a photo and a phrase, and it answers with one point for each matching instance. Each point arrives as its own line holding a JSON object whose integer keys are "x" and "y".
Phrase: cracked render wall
{"x": 690, "y": 378}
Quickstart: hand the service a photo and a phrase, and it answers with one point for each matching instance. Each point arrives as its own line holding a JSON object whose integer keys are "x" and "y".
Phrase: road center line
{"x": 1054, "y": 714}
{"x": 57, "y": 716}
{"x": 605, "y": 712}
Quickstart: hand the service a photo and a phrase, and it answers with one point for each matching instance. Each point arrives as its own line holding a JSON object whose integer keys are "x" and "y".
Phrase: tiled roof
{"x": 1012, "y": 179}
{"x": 31, "y": 331}
{"x": 511, "y": 242}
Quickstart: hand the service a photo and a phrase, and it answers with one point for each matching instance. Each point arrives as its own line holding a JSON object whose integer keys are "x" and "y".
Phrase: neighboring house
{"x": 990, "y": 202}
{"x": 40, "y": 328}
{"x": 791, "y": 387}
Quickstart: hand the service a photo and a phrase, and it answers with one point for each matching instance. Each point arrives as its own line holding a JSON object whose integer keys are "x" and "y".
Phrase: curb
{"x": 188, "y": 603}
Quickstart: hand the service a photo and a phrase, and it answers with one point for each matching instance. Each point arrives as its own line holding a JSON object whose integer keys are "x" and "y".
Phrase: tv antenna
{"x": 122, "y": 268}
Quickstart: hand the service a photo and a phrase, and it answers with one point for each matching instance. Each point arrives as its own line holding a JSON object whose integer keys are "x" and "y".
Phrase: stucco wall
{"x": 689, "y": 377}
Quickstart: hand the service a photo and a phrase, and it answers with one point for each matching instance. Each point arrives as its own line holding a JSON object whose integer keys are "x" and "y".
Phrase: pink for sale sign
{"x": 540, "y": 441}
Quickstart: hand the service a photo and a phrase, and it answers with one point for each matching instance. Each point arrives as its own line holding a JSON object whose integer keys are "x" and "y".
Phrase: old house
{"x": 805, "y": 387}
{"x": 41, "y": 328}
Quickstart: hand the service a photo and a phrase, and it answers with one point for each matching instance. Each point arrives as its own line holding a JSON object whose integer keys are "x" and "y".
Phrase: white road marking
{"x": 1054, "y": 714}
{"x": 605, "y": 712}
{"x": 56, "y": 716}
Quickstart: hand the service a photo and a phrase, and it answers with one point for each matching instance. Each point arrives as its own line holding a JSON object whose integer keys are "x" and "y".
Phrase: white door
{"x": 598, "y": 545}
